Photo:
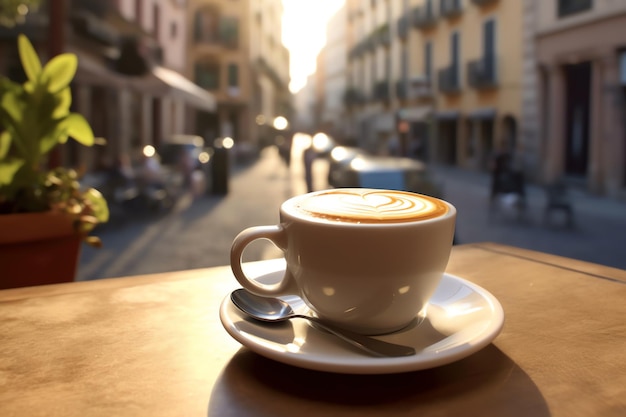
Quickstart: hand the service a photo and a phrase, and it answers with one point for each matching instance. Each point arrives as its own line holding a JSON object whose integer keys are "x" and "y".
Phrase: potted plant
{"x": 44, "y": 213}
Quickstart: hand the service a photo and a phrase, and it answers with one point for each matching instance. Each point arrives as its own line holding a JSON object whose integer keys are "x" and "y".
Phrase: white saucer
{"x": 461, "y": 318}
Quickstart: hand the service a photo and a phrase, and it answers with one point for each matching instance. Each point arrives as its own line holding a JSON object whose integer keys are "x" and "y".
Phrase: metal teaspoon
{"x": 276, "y": 310}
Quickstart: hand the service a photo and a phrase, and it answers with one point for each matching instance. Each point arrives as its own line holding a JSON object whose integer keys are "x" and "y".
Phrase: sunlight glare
{"x": 304, "y": 34}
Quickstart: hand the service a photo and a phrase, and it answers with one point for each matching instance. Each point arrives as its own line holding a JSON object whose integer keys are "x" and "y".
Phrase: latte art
{"x": 371, "y": 206}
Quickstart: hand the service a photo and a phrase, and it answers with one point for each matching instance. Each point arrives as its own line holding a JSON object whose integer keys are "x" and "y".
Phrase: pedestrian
{"x": 309, "y": 156}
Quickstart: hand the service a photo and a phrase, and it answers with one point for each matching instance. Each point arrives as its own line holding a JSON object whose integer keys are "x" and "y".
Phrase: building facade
{"x": 304, "y": 104}
{"x": 455, "y": 81}
{"x": 235, "y": 52}
{"x": 334, "y": 68}
{"x": 437, "y": 80}
{"x": 368, "y": 95}
{"x": 126, "y": 85}
{"x": 579, "y": 89}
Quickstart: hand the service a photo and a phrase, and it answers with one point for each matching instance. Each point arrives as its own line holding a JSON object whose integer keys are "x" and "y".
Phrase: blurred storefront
{"x": 123, "y": 85}
{"x": 580, "y": 58}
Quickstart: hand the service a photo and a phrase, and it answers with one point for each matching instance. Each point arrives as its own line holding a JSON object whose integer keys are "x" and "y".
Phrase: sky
{"x": 304, "y": 34}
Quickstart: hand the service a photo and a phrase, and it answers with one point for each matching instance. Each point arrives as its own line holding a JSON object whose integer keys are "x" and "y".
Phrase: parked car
{"x": 187, "y": 155}
{"x": 339, "y": 160}
{"x": 353, "y": 167}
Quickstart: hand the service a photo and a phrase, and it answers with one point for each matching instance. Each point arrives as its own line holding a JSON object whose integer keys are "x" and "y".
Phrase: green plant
{"x": 35, "y": 117}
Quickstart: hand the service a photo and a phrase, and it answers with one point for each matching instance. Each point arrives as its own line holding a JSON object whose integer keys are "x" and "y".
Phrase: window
{"x": 156, "y": 21}
{"x": 449, "y": 6}
{"x": 207, "y": 75}
{"x": 489, "y": 47}
{"x": 454, "y": 58}
{"x": 428, "y": 61}
{"x": 173, "y": 30}
{"x": 622, "y": 67}
{"x": 405, "y": 63}
{"x": 429, "y": 8}
{"x": 568, "y": 7}
{"x": 233, "y": 75}
{"x": 229, "y": 31}
{"x": 205, "y": 25}
{"x": 138, "y": 11}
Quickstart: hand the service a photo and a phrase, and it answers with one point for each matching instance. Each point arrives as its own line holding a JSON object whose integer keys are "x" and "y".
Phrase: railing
{"x": 263, "y": 66}
{"x": 381, "y": 35}
{"x": 483, "y": 2}
{"x": 403, "y": 27}
{"x": 353, "y": 97}
{"x": 450, "y": 8}
{"x": 422, "y": 89}
{"x": 424, "y": 17}
{"x": 369, "y": 43}
{"x": 384, "y": 37}
{"x": 381, "y": 91}
{"x": 482, "y": 73}
{"x": 402, "y": 89}
{"x": 449, "y": 81}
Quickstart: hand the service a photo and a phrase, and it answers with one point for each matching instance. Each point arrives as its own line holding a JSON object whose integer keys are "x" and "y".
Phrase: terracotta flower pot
{"x": 37, "y": 249}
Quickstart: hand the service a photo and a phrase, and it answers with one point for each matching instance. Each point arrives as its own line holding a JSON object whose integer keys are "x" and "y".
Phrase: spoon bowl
{"x": 270, "y": 309}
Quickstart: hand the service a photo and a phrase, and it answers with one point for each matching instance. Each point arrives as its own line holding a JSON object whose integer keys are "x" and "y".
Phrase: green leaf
{"x": 13, "y": 106}
{"x": 78, "y": 128}
{"x": 8, "y": 168}
{"x": 30, "y": 87}
{"x": 98, "y": 204}
{"x": 62, "y": 138}
{"x": 5, "y": 144}
{"x": 64, "y": 101}
{"x": 29, "y": 58}
{"x": 59, "y": 72}
{"x": 50, "y": 140}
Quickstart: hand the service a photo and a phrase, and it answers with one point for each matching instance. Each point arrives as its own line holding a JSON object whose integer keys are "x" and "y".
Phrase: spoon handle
{"x": 368, "y": 344}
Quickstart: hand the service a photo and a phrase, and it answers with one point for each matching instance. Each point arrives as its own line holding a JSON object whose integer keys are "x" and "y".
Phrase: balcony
{"x": 424, "y": 17}
{"x": 482, "y": 73}
{"x": 262, "y": 66}
{"x": 353, "y": 97}
{"x": 381, "y": 35}
{"x": 450, "y": 8}
{"x": 483, "y": 2}
{"x": 369, "y": 43}
{"x": 449, "y": 82}
{"x": 381, "y": 91}
{"x": 356, "y": 51}
{"x": 421, "y": 88}
{"x": 402, "y": 89}
{"x": 403, "y": 27}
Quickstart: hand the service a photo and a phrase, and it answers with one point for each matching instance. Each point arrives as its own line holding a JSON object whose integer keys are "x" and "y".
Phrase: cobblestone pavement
{"x": 598, "y": 234}
{"x": 198, "y": 232}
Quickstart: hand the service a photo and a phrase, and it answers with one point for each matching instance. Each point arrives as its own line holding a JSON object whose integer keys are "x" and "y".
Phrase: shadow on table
{"x": 486, "y": 383}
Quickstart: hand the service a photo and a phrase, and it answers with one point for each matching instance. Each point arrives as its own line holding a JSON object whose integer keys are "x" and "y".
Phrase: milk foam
{"x": 371, "y": 206}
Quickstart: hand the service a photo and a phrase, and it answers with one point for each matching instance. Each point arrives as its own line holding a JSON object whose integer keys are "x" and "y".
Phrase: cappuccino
{"x": 358, "y": 205}
{"x": 366, "y": 260}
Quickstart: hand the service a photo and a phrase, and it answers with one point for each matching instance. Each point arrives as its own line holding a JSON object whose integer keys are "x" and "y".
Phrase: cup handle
{"x": 275, "y": 234}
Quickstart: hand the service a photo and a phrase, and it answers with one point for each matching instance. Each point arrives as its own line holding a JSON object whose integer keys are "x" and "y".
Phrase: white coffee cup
{"x": 364, "y": 259}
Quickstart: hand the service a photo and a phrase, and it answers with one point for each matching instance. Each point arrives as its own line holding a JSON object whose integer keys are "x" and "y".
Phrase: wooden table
{"x": 154, "y": 346}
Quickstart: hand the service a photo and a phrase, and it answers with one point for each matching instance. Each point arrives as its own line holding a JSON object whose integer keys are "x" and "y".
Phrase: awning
{"x": 448, "y": 115}
{"x": 384, "y": 123}
{"x": 486, "y": 113}
{"x": 93, "y": 70}
{"x": 415, "y": 114}
{"x": 159, "y": 82}
{"x": 185, "y": 89}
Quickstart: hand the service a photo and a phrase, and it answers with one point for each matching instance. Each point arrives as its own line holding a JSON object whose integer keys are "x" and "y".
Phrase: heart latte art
{"x": 371, "y": 206}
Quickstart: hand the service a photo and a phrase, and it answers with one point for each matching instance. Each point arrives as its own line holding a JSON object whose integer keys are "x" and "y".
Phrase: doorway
{"x": 447, "y": 141}
{"x": 577, "y": 117}
{"x": 486, "y": 143}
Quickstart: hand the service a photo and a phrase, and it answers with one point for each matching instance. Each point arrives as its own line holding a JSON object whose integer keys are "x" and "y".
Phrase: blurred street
{"x": 198, "y": 232}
